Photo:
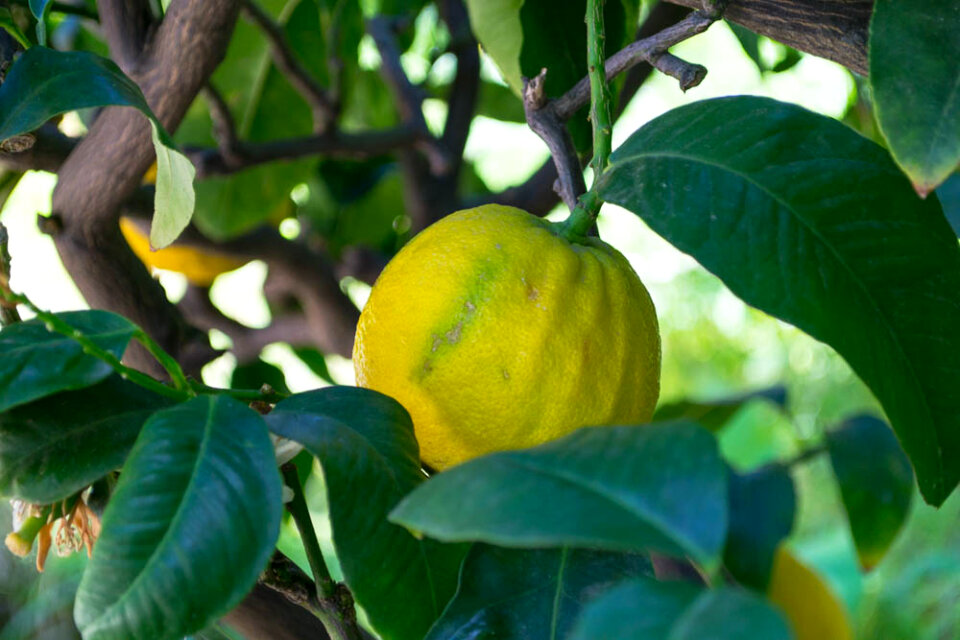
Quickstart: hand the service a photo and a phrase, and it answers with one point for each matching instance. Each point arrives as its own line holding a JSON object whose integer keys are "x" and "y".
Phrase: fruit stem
{"x": 584, "y": 215}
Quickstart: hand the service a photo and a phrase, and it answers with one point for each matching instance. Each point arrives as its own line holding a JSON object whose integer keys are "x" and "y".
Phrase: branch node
{"x": 534, "y": 91}
{"x": 51, "y": 225}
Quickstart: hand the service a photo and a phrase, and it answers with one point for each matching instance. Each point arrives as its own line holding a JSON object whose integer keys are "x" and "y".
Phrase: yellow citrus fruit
{"x": 812, "y": 609}
{"x": 200, "y": 267}
{"x": 495, "y": 332}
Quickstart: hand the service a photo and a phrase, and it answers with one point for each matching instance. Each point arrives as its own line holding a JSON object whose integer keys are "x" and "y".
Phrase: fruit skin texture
{"x": 497, "y": 333}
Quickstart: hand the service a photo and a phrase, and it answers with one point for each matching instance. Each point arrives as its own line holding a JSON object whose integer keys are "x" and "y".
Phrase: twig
{"x": 651, "y": 50}
{"x": 336, "y": 609}
{"x": 8, "y": 313}
{"x": 322, "y": 107}
{"x": 408, "y": 97}
{"x": 599, "y": 92}
{"x": 333, "y": 144}
{"x": 543, "y": 119}
{"x": 224, "y": 127}
{"x": 55, "y": 324}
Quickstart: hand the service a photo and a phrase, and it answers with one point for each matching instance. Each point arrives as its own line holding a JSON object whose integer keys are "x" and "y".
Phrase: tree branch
{"x": 321, "y": 105}
{"x": 833, "y": 29}
{"x": 126, "y": 25}
{"x": 651, "y": 50}
{"x": 212, "y": 162}
{"x": 48, "y": 151}
{"x": 106, "y": 168}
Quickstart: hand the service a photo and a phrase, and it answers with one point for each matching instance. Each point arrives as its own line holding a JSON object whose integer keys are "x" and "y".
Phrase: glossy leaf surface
{"x": 364, "y": 442}
{"x": 53, "y": 447}
{"x": 660, "y": 487}
{"x": 35, "y": 362}
{"x": 191, "y": 524}
{"x": 804, "y": 219}
{"x": 533, "y": 594}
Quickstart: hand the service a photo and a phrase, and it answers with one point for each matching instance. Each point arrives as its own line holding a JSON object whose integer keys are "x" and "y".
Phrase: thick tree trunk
{"x": 833, "y": 29}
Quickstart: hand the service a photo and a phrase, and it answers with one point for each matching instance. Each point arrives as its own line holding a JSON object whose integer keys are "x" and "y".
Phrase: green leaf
{"x": 714, "y": 414}
{"x": 875, "y": 481}
{"x": 651, "y": 610}
{"x": 40, "y": 9}
{"x": 521, "y": 37}
{"x": 175, "y": 199}
{"x": 56, "y": 446}
{"x": 43, "y": 83}
{"x": 660, "y": 487}
{"x": 915, "y": 80}
{"x": 35, "y": 362}
{"x": 497, "y": 26}
{"x": 762, "y": 508}
{"x": 534, "y": 594}
{"x": 804, "y": 219}
{"x": 750, "y": 42}
{"x": 7, "y": 24}
{"x": 192, "y": 522}
{"x": 256, "y": 92}
{"x": 365, "y": 444}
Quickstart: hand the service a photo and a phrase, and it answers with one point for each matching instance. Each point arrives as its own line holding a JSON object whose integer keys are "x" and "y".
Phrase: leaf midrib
{"x": 854, "y": 276}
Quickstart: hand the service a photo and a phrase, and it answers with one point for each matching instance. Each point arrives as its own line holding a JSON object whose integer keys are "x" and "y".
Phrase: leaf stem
{"x": 297, "y": 507}
{"x": 166, "y": 361}
{"x": 264, "y": 394}
{"x": 336, "y": 610}
{"x": 53, "y": 323}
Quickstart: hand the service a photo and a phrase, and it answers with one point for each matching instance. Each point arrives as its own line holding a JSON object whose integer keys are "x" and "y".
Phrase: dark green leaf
{"x": 517, "y": 594}
{"x": 192, "y": 522}
{"x": 54, "y": 447}
{"x": 875, "y": 481}
{"x": 651, "y": 610}
{"x": 660, "y": 487}
{"x": 806, "y": 220}
{"x": 750, "y": 42}
{"x": 254, "y": 375}
{"x": 315, "y": 360}
{"x": 714, "y": 414}
{"x": 364, "y": 442}
{"x": 35, "y": 362}
{"x": 43, "y": 83}
{"x": 915, "y": 79}
{"x": 762, "y": 507}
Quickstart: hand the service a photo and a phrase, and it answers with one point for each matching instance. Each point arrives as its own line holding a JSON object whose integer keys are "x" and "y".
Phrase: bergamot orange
{"x": 496, "y": 332}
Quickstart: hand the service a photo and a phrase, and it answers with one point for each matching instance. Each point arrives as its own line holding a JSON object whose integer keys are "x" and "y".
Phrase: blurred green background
{"x": 714, "y": 347}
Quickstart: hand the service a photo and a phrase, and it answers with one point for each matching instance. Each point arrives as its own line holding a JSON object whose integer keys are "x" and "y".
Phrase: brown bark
{"x": 833, "y": 29}
{"x": 106, "y": 167}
